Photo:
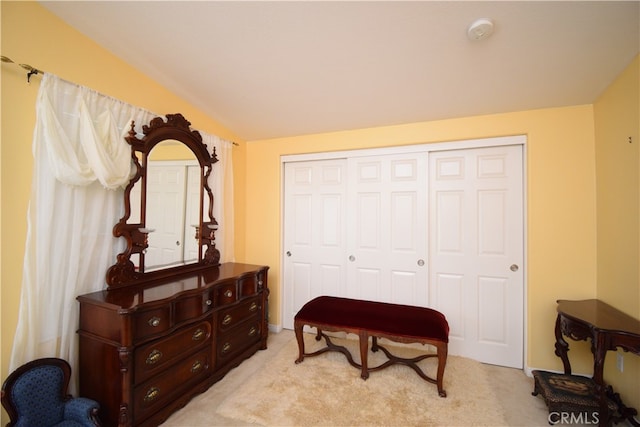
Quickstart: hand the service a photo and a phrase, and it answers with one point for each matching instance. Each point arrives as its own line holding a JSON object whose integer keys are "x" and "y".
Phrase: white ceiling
{"x": 272, "y": 69}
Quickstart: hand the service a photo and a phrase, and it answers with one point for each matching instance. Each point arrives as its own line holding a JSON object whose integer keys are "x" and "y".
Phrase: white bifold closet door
{"x": 387, "y": 223}
{"x": 315, "y": 232}
{"x": 476, "y": 242}
{"x": 440, "y": 229}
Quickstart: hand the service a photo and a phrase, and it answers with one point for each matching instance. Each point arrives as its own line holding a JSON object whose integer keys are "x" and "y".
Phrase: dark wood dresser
{"x": 146, "y": 350}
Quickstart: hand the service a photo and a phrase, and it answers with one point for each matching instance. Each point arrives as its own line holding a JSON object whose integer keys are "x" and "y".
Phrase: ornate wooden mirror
{"x": 130, "y": 268}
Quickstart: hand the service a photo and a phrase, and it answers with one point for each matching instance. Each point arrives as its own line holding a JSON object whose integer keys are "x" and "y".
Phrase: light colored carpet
{"x": 327, "y": 391}
{"x": 512, "y": 387}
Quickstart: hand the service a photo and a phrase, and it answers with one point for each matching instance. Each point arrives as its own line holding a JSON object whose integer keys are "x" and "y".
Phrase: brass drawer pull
{"x": 197, "y": 365}
{"x": 154, "y": 321}
{"x": 208, "y": 302}
{"x": 228, "y": 294}
{"x": 154, "y": 357}
{"x": 226, "y": 347}
{"x": 260, "y": 283}
{"x": 227, "y": 319}
{"x": 253, "y": 331}
{"x": 253, "y": 306}
{"x": 197, "y": 335}
{"x": 152, "y": 394}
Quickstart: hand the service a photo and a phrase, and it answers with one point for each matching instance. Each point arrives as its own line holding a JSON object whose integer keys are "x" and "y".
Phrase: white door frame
{"x": 428, "y": 147}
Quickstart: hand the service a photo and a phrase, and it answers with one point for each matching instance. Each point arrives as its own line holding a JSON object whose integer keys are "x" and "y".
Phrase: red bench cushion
{"x": 384, "y": 318}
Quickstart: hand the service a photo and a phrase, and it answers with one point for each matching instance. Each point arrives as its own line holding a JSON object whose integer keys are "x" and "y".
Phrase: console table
{"x": 608, "y": 329}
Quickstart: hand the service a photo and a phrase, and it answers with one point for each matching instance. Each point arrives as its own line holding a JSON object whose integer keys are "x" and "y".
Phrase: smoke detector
{"x": 480, "y": 29}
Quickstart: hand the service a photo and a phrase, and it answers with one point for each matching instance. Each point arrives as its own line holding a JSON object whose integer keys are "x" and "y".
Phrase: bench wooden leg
{"x": 364, "y": 354}
{"x": 298, "y": 327}
{"x": 374, "y": 344}
{"x": 442, "y": 349}
{"x": 363, "y": 336}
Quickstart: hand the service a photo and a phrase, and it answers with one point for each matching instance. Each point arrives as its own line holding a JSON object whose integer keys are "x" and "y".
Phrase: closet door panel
{"x": 314, "y": 233}
{"x": 387, "y": 208}
{"x": 477, "y": 230}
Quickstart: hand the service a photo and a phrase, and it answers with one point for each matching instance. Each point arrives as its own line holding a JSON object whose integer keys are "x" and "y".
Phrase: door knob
{"x": 177, "y": 242}
{"x": 514, "y": 267}
{"x": 420, "y": 262}
{"x": 288, "y": 253}
{"x": 352, "y": 258}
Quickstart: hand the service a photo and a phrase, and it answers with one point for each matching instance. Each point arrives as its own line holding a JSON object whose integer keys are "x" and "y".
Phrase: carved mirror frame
{"x": 124, "y": 272}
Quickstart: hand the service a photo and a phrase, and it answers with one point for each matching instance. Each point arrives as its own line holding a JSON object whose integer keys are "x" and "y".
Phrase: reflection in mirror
{"x": 136, "y": 203}
{"x": 173, "y": 200}
{"x": 135, "y": 259}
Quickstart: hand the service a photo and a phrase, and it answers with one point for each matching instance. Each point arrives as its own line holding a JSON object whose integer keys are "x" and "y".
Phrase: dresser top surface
{"x": 132, "y": 296}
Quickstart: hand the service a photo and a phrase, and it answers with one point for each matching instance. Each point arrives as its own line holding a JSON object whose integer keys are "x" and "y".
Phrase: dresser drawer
{"x": 151, "y": 322}
{"x": 237, "y": 340}
{"x": 224, "y": 294}
{"x": 230, "y": 317}
{"x": 248, "y": 286}
{"x": 156, "y": 356}
{"x": 188, "y": 308}
{"x": 251, "y": 285}
{"x": 164, "y": 387}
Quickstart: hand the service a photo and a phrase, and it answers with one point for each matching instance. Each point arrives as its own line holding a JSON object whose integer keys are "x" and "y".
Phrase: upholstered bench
{"x": 396, "y": 322}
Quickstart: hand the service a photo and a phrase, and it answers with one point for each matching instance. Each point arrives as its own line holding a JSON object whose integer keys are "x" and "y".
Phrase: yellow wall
{"x": 171, "y": 152}
{"x": 617, "y": 118}
{"x": 561, "y": 222}
{"x": 30, "y": 34}
{"x": 562, "y": 244}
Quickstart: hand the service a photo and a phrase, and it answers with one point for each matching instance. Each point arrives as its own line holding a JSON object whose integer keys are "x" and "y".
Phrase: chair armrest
{"x": 82, "y": 410}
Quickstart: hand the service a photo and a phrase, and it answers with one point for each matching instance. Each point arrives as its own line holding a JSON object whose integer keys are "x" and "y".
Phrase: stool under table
{"x": 396, "y": 322}
{"x": 571, "y": 396}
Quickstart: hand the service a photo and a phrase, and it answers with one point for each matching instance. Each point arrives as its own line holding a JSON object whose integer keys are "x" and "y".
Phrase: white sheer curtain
{"x": 81, "y": 163}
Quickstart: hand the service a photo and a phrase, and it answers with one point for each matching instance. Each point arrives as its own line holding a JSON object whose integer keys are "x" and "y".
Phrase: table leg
{"x": 364, "y": 353}
{"x": 562, "y": 347}
{"x": 598, "y": 348}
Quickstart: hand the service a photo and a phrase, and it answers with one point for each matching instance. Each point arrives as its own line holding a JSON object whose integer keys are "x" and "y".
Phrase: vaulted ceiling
{"x": 282, "y": 68}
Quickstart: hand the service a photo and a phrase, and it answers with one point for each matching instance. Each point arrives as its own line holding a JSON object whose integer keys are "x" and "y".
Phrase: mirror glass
{"x": 172, "y": 205}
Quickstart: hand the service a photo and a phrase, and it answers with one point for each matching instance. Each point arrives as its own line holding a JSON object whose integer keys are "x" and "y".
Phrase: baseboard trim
{"x": 528, "y": 371}
{"x": 275, "y": 328}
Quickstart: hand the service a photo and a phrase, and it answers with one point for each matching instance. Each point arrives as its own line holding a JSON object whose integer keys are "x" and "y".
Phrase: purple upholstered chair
{"x": 35, "y": 395}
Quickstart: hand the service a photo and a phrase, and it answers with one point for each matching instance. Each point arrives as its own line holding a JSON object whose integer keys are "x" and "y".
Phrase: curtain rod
{"x": 30, "y": 70}
{"x": 34, "y": 71}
